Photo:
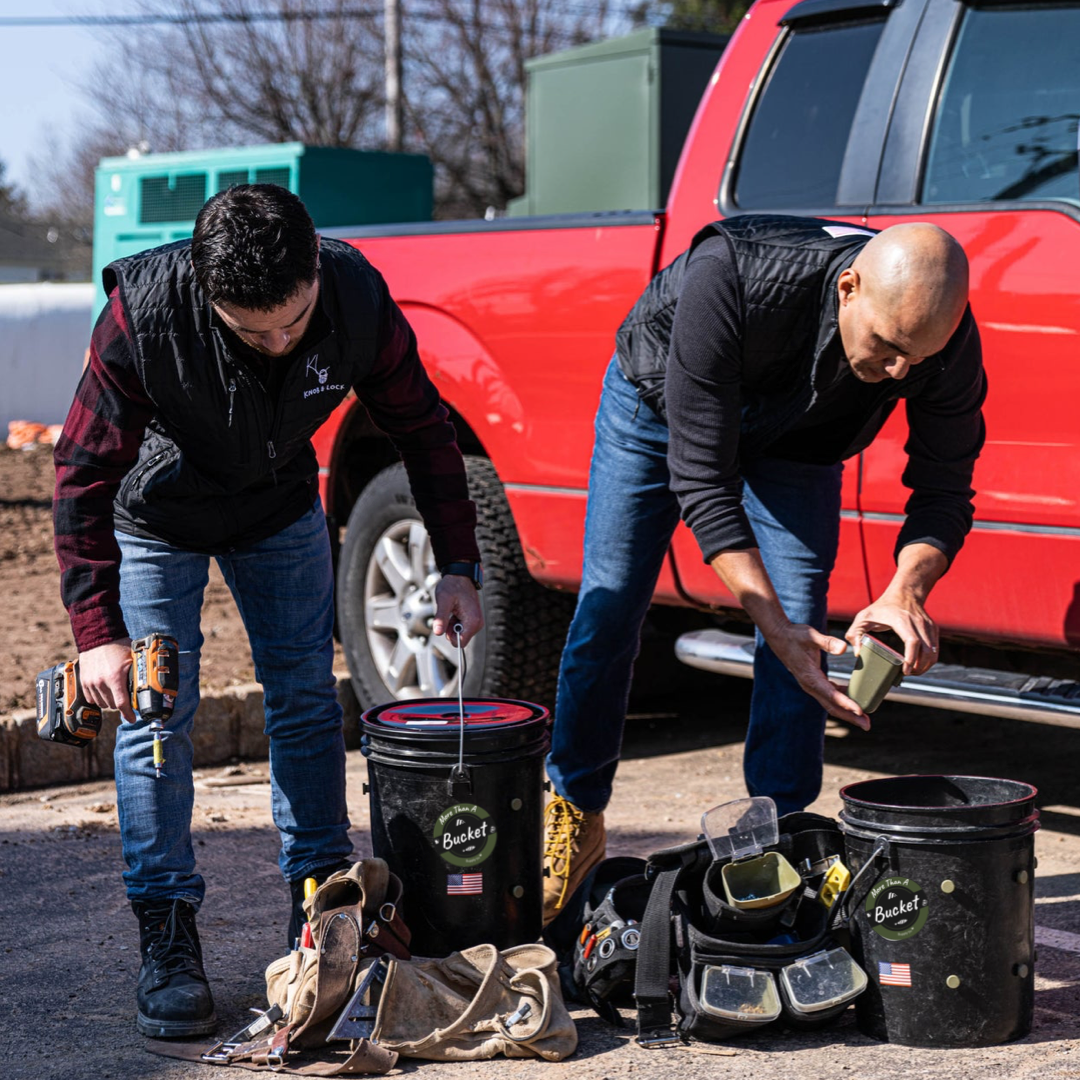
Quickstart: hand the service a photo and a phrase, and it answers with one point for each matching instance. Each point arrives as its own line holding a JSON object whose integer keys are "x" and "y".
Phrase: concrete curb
{"x": 228, "y": 725}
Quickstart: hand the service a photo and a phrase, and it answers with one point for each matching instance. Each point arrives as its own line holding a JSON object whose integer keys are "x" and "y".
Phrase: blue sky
{"x": 40, "y": 71}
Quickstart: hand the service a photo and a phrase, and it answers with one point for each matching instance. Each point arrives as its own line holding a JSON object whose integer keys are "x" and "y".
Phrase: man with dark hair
{"x": 210, "y": 367}
{"x": 765, "y": 355}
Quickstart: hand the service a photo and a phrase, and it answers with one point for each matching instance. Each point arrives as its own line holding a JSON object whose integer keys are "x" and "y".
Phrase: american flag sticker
{"x": 894, "y": 974}
{"x": 465, "y": 884}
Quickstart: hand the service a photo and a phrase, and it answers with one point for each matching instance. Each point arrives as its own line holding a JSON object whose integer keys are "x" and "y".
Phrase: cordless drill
{"x": 64, "y": 715}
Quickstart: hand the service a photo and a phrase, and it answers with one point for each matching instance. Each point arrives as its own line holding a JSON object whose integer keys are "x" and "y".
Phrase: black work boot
{"x": 173, "y": 996}
{"x": 298, "y": 918}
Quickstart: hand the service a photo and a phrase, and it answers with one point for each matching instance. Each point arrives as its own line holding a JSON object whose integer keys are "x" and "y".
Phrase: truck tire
{"x": 385, "y": 581}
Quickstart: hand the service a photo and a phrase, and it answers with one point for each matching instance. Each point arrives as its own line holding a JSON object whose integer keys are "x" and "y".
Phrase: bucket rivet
{"x": 948, "y": 886}
{"x": 516, "y": 804}
{"x": 1022, "y": 877}
{"x": 1021, "y": 970}
{"x": 952, "y": 982}
{"x": 518, "y": 891}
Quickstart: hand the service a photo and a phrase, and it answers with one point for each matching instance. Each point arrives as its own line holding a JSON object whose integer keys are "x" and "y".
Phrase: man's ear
{"x": 847, "y": 285}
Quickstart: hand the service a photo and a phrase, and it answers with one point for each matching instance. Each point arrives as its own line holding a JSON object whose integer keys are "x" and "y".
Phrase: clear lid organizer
{"x": 822, "y": 981}
{"x": 738, "y": 833}
{"x": 745, "y": 995}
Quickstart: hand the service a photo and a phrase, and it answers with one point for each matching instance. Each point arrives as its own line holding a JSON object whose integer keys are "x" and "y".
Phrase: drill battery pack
{"x": 63, "y": 714}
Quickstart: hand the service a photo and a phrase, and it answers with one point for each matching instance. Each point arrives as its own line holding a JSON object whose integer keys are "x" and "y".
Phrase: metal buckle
{"x": 223, "y": 1051}
{"x": 384, "y": 910}
{"x": 659, "y": 1040}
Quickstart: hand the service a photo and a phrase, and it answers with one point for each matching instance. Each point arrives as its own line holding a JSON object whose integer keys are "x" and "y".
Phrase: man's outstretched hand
{"x": 906, "y": 617}
{"x": 799, "y": 648}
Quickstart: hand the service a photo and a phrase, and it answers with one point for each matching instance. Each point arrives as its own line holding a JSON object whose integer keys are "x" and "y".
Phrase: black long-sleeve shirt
{"x": 705, "y": 394}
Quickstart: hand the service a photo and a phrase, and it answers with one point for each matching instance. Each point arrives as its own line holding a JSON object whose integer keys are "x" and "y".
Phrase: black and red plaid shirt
{"x": 105, "y": 427}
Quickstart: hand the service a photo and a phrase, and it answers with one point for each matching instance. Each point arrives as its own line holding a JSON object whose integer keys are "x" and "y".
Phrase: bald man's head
{"x": 901, "y": 300}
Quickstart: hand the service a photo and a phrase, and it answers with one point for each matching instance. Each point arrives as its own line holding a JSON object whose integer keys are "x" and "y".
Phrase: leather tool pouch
{"x": 354, "y": 920}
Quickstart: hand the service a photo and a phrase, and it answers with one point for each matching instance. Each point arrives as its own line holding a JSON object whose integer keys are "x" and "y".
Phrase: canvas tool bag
{"x": 355, "y": 1001}
{"x": 476, "y": 1004}
{"x": 470, "y": 1006}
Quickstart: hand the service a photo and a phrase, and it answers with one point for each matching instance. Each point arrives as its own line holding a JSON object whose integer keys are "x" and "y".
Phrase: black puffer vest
{"x": 786, "y": 268}
{"x": 222, "y": 463}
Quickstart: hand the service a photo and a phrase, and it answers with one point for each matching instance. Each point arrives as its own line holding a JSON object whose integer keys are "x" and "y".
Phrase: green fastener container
{"x": 738, "y": 833}
{"x": 877, "y": 670}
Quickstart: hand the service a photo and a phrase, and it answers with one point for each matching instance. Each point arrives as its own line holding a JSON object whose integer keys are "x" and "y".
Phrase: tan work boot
{"x": 574, "y": 842}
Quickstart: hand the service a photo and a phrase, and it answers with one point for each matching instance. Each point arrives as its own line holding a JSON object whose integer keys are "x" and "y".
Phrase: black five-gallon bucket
{"x": 941, "y": 907}
{"x": 466, "y": 843}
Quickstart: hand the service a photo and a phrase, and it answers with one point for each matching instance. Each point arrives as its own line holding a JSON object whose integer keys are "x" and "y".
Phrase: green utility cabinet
{"x": 152, "y": 199}
{"x": 605, "y": 123}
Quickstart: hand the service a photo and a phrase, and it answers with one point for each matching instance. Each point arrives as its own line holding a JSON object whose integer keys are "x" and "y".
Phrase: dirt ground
{"x": 68, "y": 942}
{"x": 35, "y": 634}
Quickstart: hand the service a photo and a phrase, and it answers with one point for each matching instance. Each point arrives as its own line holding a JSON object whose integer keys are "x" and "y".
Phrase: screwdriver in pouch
{"x": 307, "y": 940}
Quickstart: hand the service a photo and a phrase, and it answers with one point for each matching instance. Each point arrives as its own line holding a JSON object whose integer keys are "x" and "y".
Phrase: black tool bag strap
{"x": 651, "y": 985}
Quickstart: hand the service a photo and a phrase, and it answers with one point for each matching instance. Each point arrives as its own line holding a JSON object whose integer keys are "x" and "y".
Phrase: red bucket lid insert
{"x": 477, "y": 714}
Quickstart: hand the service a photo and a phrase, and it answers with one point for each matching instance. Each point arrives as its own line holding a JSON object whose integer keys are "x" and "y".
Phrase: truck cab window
{"x": 1006, "y": 121}
{"x": 794, "y": 146}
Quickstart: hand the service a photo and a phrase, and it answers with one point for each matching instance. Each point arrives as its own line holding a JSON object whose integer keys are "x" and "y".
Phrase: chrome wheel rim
{"x": 399, "y": 606}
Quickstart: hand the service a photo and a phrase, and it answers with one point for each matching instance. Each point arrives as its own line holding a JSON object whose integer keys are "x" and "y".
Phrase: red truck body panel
{"x": 517, "y": 326}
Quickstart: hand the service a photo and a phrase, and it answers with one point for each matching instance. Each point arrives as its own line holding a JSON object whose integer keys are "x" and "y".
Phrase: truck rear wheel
{"x": 385, "y": 602}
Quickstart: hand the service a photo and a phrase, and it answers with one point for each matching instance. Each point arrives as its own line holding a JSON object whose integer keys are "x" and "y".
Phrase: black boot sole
{"x": 175, "y": 1029}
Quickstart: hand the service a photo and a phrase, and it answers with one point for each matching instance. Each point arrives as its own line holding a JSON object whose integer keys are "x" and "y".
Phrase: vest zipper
{"x": 232, "y": 390}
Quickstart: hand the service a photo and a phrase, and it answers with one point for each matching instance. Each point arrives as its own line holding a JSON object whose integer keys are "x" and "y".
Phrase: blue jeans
{"x": 629, "y": 520}
{"x": 283, "y": 587}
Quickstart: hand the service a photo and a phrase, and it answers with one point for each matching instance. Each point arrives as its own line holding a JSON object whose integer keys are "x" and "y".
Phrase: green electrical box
{"x": 605, "y": 123}
{"x": 148, "y": 200}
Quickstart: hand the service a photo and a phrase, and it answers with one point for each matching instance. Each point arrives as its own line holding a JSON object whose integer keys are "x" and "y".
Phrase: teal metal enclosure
{"x": 148, "y": 200}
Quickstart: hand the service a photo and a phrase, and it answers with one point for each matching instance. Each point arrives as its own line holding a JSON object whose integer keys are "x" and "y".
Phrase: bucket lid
{"x": 741, "y": 828}
{"x": 479, "y": 713}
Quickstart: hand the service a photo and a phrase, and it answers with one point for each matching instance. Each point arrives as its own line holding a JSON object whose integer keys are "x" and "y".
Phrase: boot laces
{"x": 564, "y": 822}
{"x": 172, "y": 944}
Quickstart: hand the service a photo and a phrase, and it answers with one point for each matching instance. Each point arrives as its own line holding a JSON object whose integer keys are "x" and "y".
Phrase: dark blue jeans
{"x": 284, "y": 589}
{"x": 630, "y": 517}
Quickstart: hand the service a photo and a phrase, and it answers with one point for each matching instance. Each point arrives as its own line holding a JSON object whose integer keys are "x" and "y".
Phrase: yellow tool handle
{"x": 836, "y": 881}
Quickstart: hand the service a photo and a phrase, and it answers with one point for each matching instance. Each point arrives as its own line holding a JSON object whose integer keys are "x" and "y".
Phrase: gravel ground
{"x": 70, "y": 956}
{"x": 70, "y": 946}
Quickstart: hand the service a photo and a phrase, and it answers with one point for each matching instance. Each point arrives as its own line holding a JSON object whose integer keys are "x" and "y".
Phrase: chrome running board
{"x": 1008, "y": 694}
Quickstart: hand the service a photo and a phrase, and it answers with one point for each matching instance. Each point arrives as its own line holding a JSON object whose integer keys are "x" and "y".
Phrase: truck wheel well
{"x": 364, "y": 452}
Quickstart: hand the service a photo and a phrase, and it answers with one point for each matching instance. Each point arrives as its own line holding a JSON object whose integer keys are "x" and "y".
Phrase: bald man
{"x": 750, "y": 369}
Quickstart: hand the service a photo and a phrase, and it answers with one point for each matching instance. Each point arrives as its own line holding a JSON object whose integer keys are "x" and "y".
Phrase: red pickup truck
{"x": 870, "y": 111}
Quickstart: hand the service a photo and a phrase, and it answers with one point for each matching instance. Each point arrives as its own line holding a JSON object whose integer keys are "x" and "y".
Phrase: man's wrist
{"x": 467, "y": 568}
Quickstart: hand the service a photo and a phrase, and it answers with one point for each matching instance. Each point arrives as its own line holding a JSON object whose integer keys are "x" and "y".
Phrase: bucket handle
{"x": 846, "y": 903}
{"x": 459, "y": 773}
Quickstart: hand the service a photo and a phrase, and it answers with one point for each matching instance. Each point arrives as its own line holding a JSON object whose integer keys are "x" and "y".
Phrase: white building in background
{"x": 44, "y": 333}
